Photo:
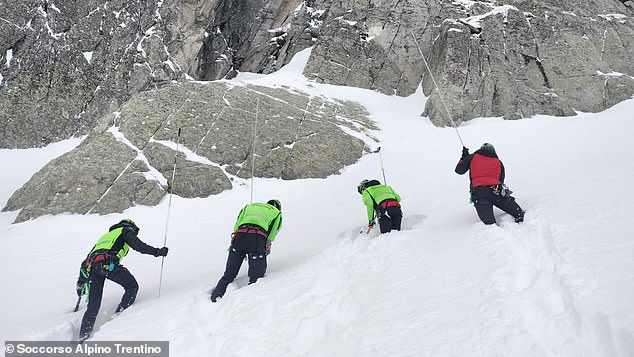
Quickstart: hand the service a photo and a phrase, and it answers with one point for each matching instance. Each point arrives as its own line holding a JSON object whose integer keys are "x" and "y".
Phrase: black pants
{"x": 251, "y": 245}
{"x": 96, "y": 279}
{"x": 484, "y": 199}
{"x": 390, "y": 218}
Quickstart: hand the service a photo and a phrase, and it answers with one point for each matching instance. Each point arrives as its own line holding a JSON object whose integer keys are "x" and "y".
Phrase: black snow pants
{"x": 98, "y": 274}
{"x": 485, "y": 197}
{"x": 390, "y": 216}
{"x": 250, "y": 243}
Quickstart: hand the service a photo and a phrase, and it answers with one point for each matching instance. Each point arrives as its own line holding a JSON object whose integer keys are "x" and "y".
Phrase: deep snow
{"x": 560, "y": 284}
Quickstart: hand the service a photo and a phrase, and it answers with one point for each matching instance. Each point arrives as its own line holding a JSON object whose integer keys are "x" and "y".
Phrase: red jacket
{"x": 484, "y": 166}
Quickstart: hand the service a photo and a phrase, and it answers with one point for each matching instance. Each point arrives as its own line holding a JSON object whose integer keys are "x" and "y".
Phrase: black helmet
{"x": 362, "y": 185}
{"x": 487, "y": 146}
{"x": 275, "y": 203}
{"x": 367, "y": 183}
{"x": 130, "y": 223}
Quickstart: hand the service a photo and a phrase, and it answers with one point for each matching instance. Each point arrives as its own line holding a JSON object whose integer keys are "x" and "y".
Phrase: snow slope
{"x": 560, "y": 284}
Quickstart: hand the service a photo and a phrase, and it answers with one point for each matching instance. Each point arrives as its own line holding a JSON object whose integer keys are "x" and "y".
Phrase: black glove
{"x": 80, "y": 289}
{"x": 161, "y": 252}
{"x": 465, "y": 151}
{"x": 268, "y": 247}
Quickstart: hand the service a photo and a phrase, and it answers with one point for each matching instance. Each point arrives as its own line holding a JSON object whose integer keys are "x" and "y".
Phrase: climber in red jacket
{"x": 487, "y": 184}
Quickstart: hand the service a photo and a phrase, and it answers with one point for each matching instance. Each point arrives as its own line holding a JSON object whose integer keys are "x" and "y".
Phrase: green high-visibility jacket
{"x": 107, "y": 242}
{"x": 263, "y": 215}
{"x": 119, "y": 239}
{"x": 374, "y": 195}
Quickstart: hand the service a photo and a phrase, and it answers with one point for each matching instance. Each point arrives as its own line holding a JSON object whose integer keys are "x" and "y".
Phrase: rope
{"x": 438, "y": 89}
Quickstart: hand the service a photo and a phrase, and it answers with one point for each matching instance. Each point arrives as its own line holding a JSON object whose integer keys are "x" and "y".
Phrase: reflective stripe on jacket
{"x": 108, "y": 241}
{"x": 262, "y": 215}
{"x": 375, "y": 195}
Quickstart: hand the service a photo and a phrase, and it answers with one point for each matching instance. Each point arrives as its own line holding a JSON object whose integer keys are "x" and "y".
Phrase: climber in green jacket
{"x": 382, "y": 201}
{"x": 104, "y": 262}
{"x": 254, "y": 231}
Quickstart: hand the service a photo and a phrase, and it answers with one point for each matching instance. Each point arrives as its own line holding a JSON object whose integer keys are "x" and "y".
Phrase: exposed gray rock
{"x": 510, "y": 58}
{"x": 128, "y": 159}
{"x": 218, "y": 123}
{"x": 255, "y": 36}
{"x": 370, "y": 45}
{"x": 617, "y": 89}
{"x": 74, "y": 182}
{"x": 479, "y": 83}
{"x": 131, "y": 188}
{"x": 526, "y": 59}
{"x": 64, "y": 65}
{"x": 192, "y": 179}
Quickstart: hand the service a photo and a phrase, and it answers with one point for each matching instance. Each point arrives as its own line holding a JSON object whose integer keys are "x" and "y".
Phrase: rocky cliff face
{"x": 510, "y": 58}
{"x": 64, "y": 64}
{"x": 521, "y": 59}
{"x": 67, "y": 65}
{"x": 128, "y": 158}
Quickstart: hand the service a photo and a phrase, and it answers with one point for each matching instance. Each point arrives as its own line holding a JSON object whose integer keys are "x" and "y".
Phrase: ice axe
{"x": 370, "y": 226}
{"x": 367, "y": 231}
